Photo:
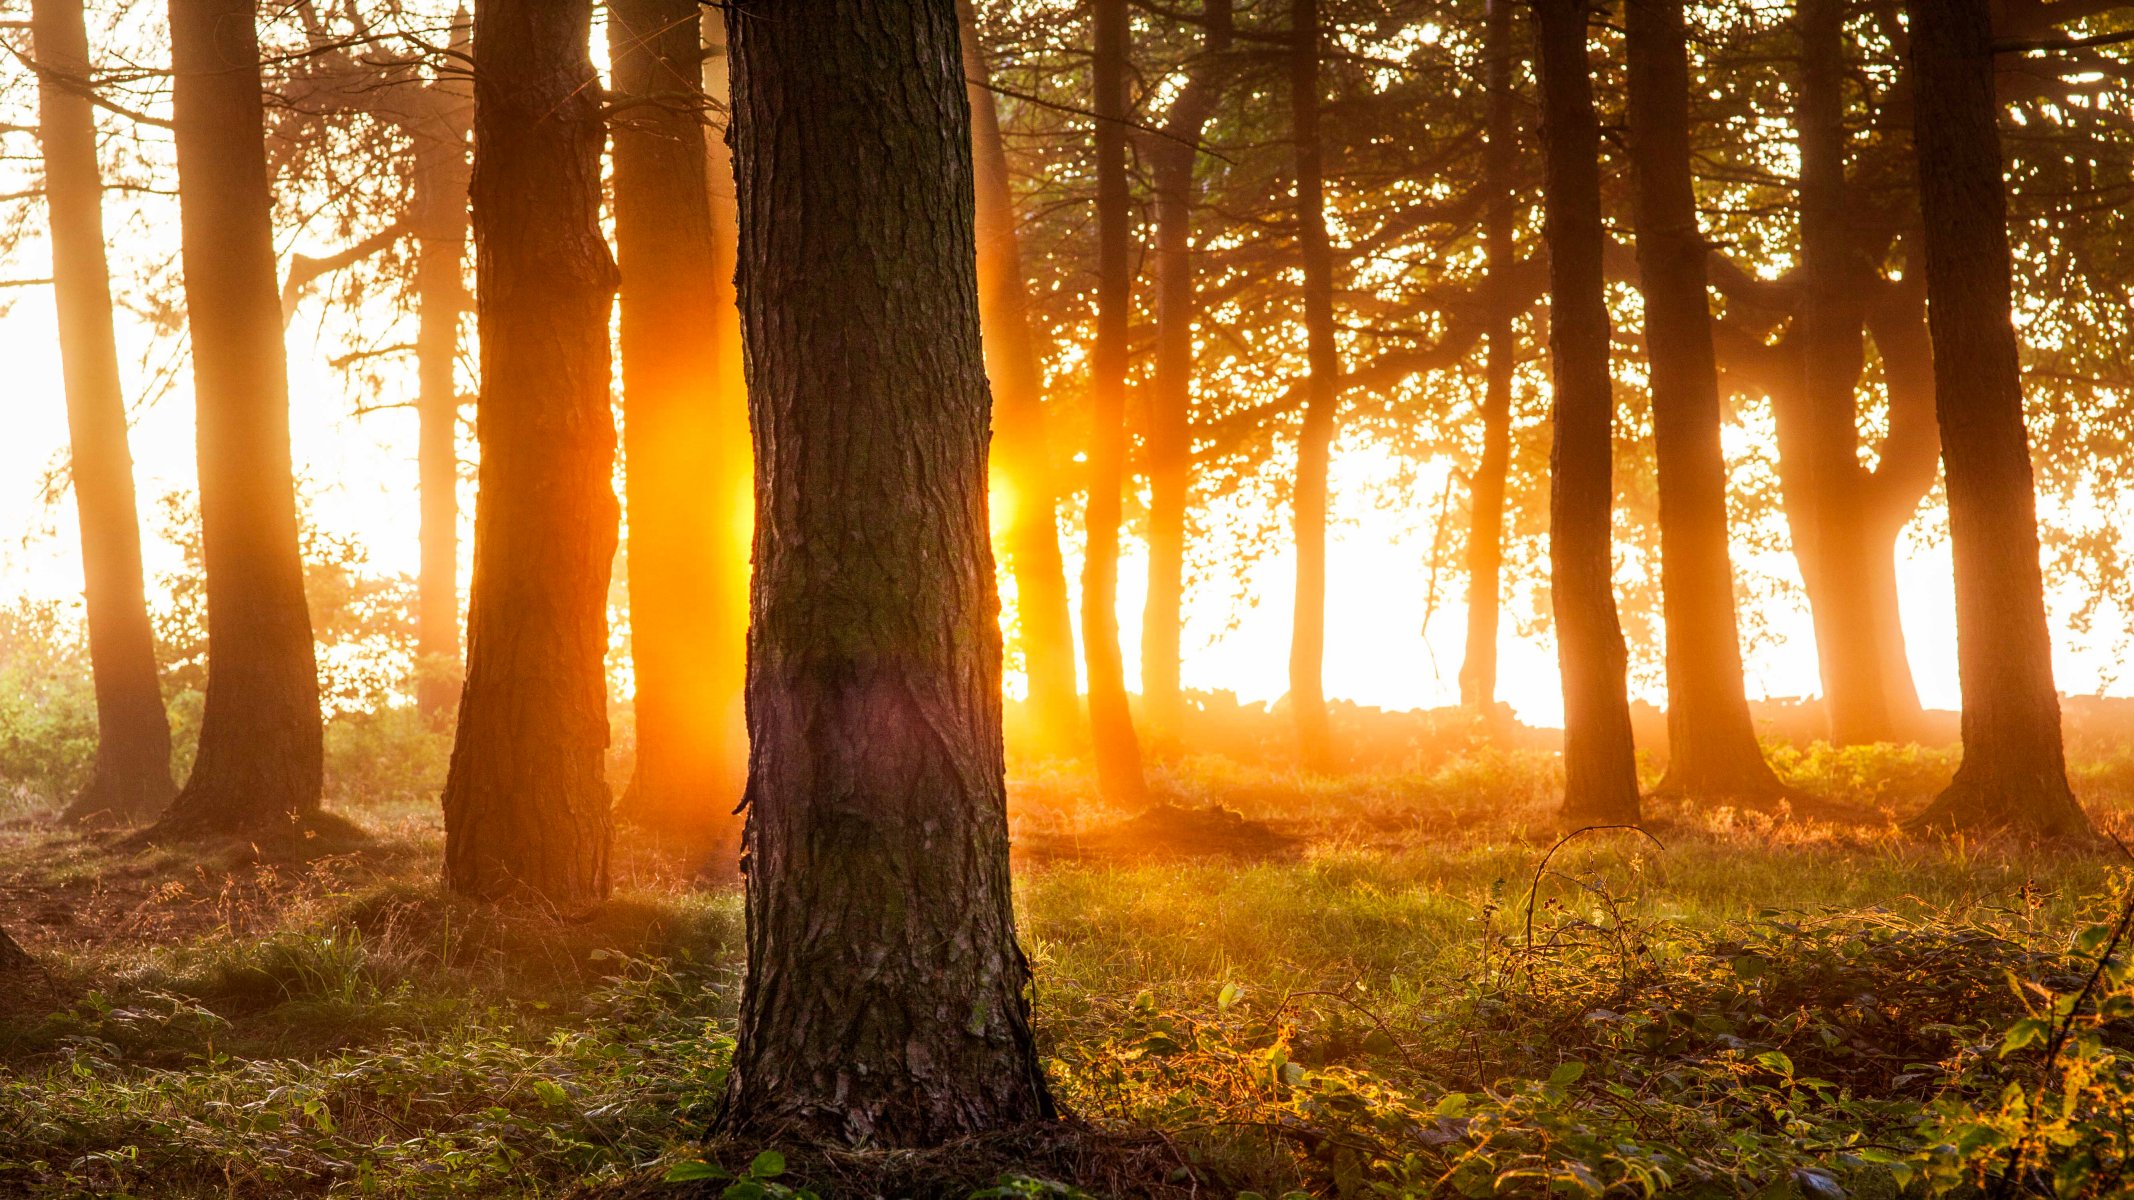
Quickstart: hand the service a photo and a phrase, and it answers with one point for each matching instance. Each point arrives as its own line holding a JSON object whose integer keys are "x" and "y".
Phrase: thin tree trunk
{"x": 685, "y": 780}
{"x": 259, "y": 763}
{"x": 1712, "y": 749}
{"x": 132, "y": 777}
{"x": 1315, "y": 439}
{"x": 526, "y": 800}
{"x": 2014, "y": 772}
{"x": 442, "y": 177}
{"x": 1170, "y": 437}
{"x": 1485, "y": 531}
{"x": 1022, "y": 457}
{"x": 886, "y": 1000}
{"x": 1600, "y": 766}
{"x": 1117, "y": 748}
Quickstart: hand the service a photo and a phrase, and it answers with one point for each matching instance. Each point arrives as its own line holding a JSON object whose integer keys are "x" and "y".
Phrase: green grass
{"x": 1755, "y": 1005}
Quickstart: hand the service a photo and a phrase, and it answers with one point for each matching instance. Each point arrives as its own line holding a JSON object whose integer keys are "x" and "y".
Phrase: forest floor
{"x": 1394, "y": 983}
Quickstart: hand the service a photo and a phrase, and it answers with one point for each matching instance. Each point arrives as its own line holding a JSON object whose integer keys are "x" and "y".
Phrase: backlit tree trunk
{"x": 132, "y": 778}
{"x": 885, "y": 1000}
{"x": 1022, "y": 458}
{"x": 684, "y": 637}
{"x": 1485, "y": 531}
{"x": 1315, "y": 438}
{"x": 2014, "y": 772}
{"x": 1117, "y": 748}
{"x": 1711, "y": 742}
{"x": 1600, "y": 768}
{"x": 526, "y": 801}
{"x": 259, "y": 762}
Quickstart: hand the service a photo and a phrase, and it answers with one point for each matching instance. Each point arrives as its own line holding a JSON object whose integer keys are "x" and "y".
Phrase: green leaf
{"x": 1230, "y": 995}
{"x": 1775, "y": 1060}
{"x": 1567, "y": 1074}
{"x": 768, "y": 1165}
{"x": 2023, "y": 1033}
{"x": 692, "y": 1171}
{"x": 1749, "y": 968}
{"x": 551, "y": 1093}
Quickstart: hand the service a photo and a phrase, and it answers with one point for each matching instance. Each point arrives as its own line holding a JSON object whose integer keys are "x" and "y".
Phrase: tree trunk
{"x": 2013, "y": 772}
{"x": 1022, "y": 458}
{"x": 1315, "y": 439}
{"x": 1170, "y": 437}
{"x": 684, "y": 639}
{"x": 13, "y": 958}
{"x": 132, "y": 778}
{"x": 1117, "y": 748}
{"x": 259, "y": 762}
{"x": 886, "y": 999}
{"x": 526, "y": 800}
{"x": 1485, "y": 532}
{"x": 1712, "y": 749}
{"x": 1600, "y": 766}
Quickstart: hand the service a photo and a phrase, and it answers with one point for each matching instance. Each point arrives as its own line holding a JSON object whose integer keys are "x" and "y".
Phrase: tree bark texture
{"x": 688, "y": 624}
{"x": 886, "y": 998}
{"x": 2014, "y": 772}
{"x": 526, "y": 799}
{"x": 1600, "y": 768}
{"x": 1173, "y": 157}
{"x": 1485, "y": 532}
{"x": 1322, "y": 397}
{"x": 132, "y": 777}
{"x": 1712, "y": 750}
{"x": 1117, "y": 748}
{"x": 1022, "y": 457}
{"x": 259, "y": 762}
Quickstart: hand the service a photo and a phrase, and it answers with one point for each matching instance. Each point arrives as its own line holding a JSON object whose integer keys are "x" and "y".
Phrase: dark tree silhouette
{"x": 2014, "y": 772}
{"x": 885, "y": 999}
{"x": 526, "y": 800}
{"x": 1600, "y": 768}
{"x": 1711, "y": 742}
{"x": 1117, "y": 747}
{"x": 132, "y": 776}
{"x": 1322, "y": 398}
{"x": 260, "y": 758}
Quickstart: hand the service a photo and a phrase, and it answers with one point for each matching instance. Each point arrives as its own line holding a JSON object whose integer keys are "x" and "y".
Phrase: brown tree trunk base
{"x": 2044, "y": 808}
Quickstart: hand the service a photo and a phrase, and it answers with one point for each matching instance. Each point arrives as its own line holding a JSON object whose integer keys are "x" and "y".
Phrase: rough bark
{"x": 526, "y": 800}
{"x": 1485, "y": 531}
{"x": 886, "y": 999}
{"x": 1712, "y": 750}
{"x": 1600, "y": 768}
{"x": 687, "y": 623}
{"x": 1022, "y": 459}
{"x": 1322, "y": 398}
{"x": 259, "y": 762}
{"x": 1116, "y": 746}
{"x": 2014, "y": 772}
{"x": 132, "y": 777}
{"x": 1172, "y": 157}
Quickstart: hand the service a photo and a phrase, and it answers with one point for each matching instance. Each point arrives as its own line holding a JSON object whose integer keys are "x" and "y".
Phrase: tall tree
{"x": 886, "y": 999}
{"x": 1600, "y": 766}
{"x": 1485, "y": 533}
{"x": 1117, "y": 747}
{"x": 1711, "y": 742}
{"x": 260, "y": 757}
{"x": 1172, "y": 157}
{"x": 687, "y": 624}
{"x": 1022, "y": 459}
{"x": 132, "y": 776}
{"x": 2014, "y": 772}
{"x": 1322, "y": 399}
{"x": 526, "y": 799}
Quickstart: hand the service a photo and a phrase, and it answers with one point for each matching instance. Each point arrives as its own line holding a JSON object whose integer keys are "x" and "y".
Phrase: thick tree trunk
{"x": 526, "y": 800}
{"x": 1711, "y": 743}
{"x": 1117, "y": 748}
{"x": 259, "y": 762}
{"x": 132, "y": 778}
{"x": 685, "y": 639}
{"x": 1485, "y": 531}
{"x": 1022, "y": 458}
{"x": 1322, "y": 398}
{"x": 2014, "y": 772}
{"x": 1600, "y": 766}
{"x": 886, "y": 999}
{"x": 1170, "y": 436}
{"x": 442, "y": 177}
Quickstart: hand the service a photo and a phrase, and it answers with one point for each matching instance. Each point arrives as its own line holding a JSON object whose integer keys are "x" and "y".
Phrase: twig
{"x": 1542, "y": 866}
